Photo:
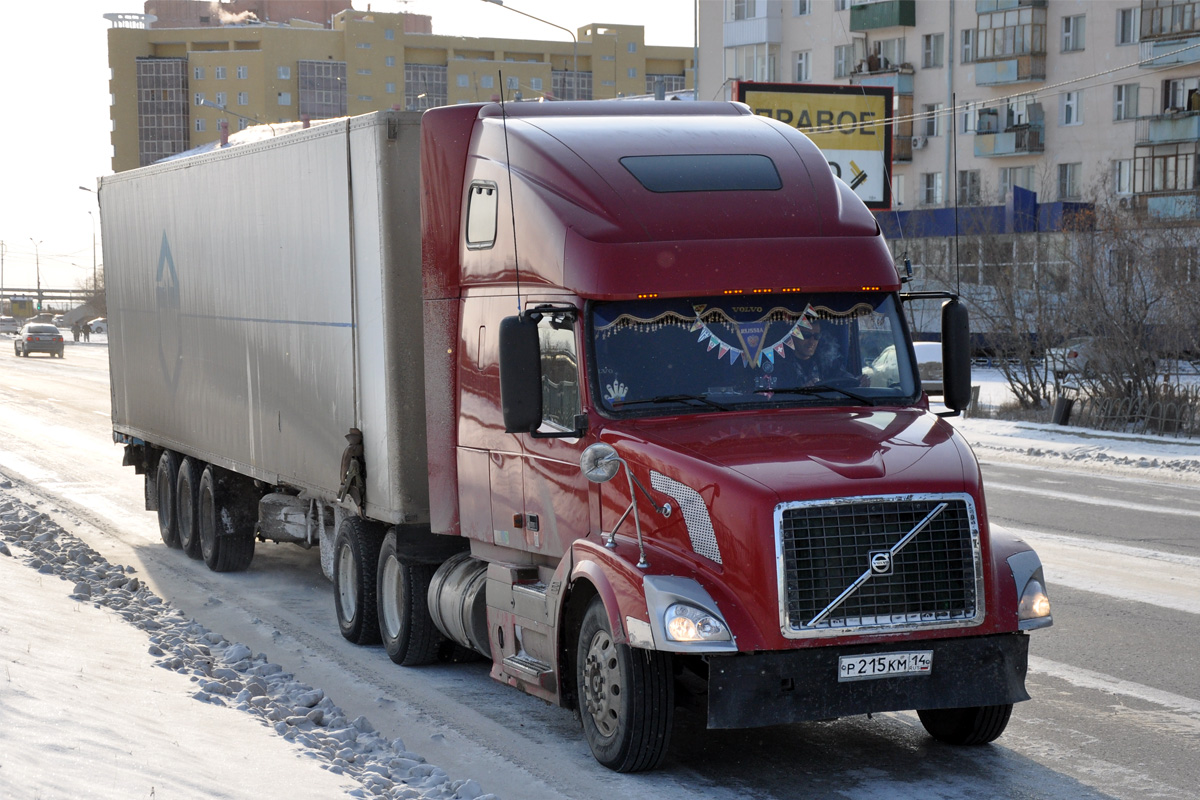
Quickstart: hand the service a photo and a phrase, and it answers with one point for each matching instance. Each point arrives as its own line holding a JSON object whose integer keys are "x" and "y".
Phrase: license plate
{"x": 884, "y": 665}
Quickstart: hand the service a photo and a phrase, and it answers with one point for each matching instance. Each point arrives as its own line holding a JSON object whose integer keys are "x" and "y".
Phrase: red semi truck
{"x": 620, "y": 396}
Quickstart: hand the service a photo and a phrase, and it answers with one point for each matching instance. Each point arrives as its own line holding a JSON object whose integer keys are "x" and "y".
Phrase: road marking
{"x": 1093, "y": 501}
{"x": 1087, "y": 679}
{"x": 1126, "y": 573}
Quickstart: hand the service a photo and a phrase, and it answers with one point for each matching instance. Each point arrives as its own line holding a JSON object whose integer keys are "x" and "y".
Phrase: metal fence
{"x": 1173, "y": 414}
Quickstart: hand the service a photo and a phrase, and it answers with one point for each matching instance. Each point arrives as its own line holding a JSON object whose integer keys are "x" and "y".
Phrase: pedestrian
{"x": 87, "y": 332}
{"x": 75, "y": 331}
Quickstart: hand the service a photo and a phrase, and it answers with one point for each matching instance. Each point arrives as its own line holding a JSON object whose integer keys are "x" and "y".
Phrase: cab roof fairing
{"x": 579, "y": 207}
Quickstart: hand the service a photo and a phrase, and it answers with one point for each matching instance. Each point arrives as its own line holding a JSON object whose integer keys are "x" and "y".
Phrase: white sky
{"x": 54, "y": 128}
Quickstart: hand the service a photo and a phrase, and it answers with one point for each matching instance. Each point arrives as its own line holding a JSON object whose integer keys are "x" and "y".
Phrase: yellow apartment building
{"x": 171, "y": 87}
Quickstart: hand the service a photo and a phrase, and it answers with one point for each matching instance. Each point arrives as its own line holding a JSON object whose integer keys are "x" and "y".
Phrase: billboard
{"x": 851, "y": 124}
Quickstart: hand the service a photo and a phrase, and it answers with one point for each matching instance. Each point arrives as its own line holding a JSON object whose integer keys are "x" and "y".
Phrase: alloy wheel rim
{"x": 602, "y": 683}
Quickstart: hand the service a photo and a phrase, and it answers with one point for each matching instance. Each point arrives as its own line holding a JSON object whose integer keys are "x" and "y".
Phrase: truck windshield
{"x": 727, "y": 353}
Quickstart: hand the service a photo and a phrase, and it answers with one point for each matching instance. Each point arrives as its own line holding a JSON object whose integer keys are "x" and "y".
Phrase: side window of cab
{"x": 482, "y": 205}
{"x": 560, "y": 373}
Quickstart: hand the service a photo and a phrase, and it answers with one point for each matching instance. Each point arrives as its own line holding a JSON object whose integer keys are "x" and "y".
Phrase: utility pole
{"x": 37, "y": 261}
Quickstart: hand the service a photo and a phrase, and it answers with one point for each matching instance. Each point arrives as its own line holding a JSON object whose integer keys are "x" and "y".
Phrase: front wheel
{"x": 405, "y": 626}
{"x": 626, "y": 696}
{"x": 355, "y": 568}
{"x": 966, "y": 726}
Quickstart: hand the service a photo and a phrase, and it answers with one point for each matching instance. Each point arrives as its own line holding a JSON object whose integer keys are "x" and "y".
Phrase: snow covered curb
{"x": 227, "y": 673}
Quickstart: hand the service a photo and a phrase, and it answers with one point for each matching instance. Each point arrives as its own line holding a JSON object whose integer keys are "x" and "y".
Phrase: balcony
{"x": 883, "y": 14}
{"x": 899, "y": 78}
{"x": 1169, "y": 52}
{"x": 756, "y": 30}
{"x": 1177, "y": 126}
{"x": 1014, "y": 140}
{"x": 989, "y": 6}
{"x": 902, "y": 131}
{"x": 1017, "y": 69}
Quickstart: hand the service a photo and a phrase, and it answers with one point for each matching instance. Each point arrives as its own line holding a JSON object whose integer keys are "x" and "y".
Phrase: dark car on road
{"x": 39, "y": 337}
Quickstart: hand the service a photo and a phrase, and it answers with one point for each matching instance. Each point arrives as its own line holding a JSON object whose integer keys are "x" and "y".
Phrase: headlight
{"x": 686, "y": 623}
{"x": 1034, "y": 609}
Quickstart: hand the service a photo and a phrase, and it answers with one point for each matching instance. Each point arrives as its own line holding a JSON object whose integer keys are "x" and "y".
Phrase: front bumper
{"x": 754, "y": 690}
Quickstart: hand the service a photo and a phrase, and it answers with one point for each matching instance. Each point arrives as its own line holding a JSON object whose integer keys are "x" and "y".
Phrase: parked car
{"x": 99, "y": 325}
{"x": 1087, "y": 356}
{"x": 9, "y": 325}
{"x": 39, "y": 337}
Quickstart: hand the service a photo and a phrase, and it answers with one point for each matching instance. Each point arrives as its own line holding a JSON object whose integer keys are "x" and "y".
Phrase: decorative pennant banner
{"x": 751, "y": 337}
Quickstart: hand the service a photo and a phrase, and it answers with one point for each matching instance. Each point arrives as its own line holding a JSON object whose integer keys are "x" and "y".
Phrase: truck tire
{"x": 226, "y": 532}
{"x": 164, "y": 482}
{"x": 355, "y": 570}
{"x": 626, "y": 696}
{"x": 966, "y": 726}
{"x": 407, "y": 630}
{"x": 187, "y": 492}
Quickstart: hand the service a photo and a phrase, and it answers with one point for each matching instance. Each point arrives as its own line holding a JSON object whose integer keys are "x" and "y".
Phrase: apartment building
{"x": 172, "y": 87}
{"x": 1076, "y": 100}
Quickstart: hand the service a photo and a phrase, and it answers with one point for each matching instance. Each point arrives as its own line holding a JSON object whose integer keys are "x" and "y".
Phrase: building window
{"x": 898, "y": 190}
{"x": 424, "y": 86}
{"x": 462, "y": 81}
{"x": 199, "y": 125}
{"x": 243, "y": 124}
{"x": 841, "y": 5}
{"x": 742, "y": 9}
{"x": 931, "y": 188}
{"x": 632, "y": 72}
{"x": 512, "y": 83}
{"x": 570, "y": 85}
{"x": 933, "y": 45}
{"x": 221, "y": 99}
{"x": 219, "y": 73}
{"x": 363, "y": 45}
{"x": 1125, "y": 101}
{"x": 243, "y": 73}
{"x": 1072, "y": 114}
{"x": 803, "y": 67}
{"x": 284, "y": 73}
{"x": 1128, "y": 22}
{"x": 363, "y": 71}
{"x": 843, "y": 60}
{"x": 486, "y": 82}
{"x": 968, "y": 45}
{"x": 389, "y": 88}
{"x": 1015, "y": 176}
{"x": 890, "y": 52}
{"x": 1123, "y": 176}
{"x": 1014, "y": 32}
{"x": 389, "y": 61}
{"x": 932, "y": 114}
{"x": 535, "y": 84}
{"x": 389, "y": 34}
{"x": 969, "y": 116}
{"x": 755, "y": 62}
{"x": 198, "y": 73}
{"x": 243, "y": 98}
{"x": 1068, "y": 180}
{"x": 322, "y": 86}
{"x": 802, "y": 8}
{"x": 968, "y": 187}
{"x": 1072, "y": 33}
{"x": 198, "y": 98}
{"x": 285, "y": 98}
{"x": 632, "y": 47}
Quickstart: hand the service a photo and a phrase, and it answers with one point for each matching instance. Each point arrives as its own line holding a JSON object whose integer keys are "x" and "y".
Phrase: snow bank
{"x": 81, "y": 709}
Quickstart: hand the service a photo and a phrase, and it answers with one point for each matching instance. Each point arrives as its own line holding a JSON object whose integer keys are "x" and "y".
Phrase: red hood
{"x": 809, "y": 453}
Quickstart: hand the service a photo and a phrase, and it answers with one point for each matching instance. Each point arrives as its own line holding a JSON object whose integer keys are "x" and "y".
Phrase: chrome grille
{"x": 878, "y": 563}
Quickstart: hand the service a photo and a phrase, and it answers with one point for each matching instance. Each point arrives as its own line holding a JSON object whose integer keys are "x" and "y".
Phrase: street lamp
{"x": 95, "y": 283}
{"x": 37, "y": 263}
{"x": 574, "y": 43}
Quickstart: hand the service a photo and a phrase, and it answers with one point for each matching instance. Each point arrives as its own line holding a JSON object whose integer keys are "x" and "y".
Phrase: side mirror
{"x": 956, "y": 355}
{"x": 599, "y": 462}
{"x": 520, "y": 374}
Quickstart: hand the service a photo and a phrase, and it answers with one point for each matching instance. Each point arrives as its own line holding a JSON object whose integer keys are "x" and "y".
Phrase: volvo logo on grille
{"x": 881, "y": 562}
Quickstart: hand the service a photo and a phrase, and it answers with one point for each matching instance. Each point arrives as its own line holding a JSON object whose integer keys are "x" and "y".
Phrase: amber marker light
{"x": 647, "y": 296}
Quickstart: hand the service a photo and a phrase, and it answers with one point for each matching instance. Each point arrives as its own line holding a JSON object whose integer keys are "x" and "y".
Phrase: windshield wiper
{"x": 673, "y": 398}
{"x": 819, "y": 389}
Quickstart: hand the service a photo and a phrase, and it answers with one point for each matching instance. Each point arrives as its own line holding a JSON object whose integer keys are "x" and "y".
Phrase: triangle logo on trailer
{"x": 170, "y": 333}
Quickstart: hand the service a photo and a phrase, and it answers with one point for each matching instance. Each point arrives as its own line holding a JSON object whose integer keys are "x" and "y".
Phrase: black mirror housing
{"x": 520, "y": 374}
{"x": 956, "y": 355}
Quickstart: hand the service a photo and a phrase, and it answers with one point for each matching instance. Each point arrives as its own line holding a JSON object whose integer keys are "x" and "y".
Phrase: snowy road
{"x": 1116, "y": 709}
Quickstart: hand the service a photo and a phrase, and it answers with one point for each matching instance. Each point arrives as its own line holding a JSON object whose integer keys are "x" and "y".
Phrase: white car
{"x": 99, "y": 325}
{"x": 9, "y": 325}
{"x": 884, "y": 370}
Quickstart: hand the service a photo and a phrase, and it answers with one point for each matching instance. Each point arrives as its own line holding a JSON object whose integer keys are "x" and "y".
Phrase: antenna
{"x": 511, "y": 205}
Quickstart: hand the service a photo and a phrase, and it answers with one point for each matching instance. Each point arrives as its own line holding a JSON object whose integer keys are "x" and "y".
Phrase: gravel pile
{"x": 228, "y": 673}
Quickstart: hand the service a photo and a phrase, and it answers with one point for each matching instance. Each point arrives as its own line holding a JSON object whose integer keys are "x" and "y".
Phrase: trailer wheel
{"x": 405, "y": 626}
{"x": 966, "y": 726}
{"x": 187, "y": 492}
{"x": 226, "y": 532}
{"x": 164, "y": 481}
{"x": 355, "y": 569}
{"x": 626, "y": 696}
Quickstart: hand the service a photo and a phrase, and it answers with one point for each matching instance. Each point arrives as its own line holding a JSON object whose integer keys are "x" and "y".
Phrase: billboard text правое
{"x": 851, "y": 125}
